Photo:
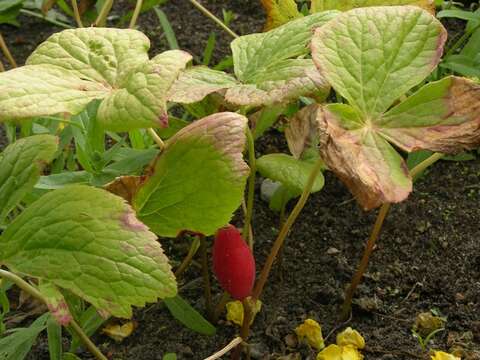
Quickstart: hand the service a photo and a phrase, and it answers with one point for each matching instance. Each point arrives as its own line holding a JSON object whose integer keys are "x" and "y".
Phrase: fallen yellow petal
{"x": 335, "y": 352}
{"x": 351, "y": 337}
{"x": 440, "y": 355}
{"x": 119, "y": 332}
{"x": 235, "y": 311}
{"x": 312, "y": 332}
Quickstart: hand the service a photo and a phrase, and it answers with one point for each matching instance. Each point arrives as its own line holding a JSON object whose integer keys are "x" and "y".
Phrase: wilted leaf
{"x": 114, "y": 262}
{"x": 392, "y": 50}
{"x": 344, "y": 5}
{"x": 235, "y": 311}
{"x": 351, "y": 337}
{"x": 119, "y": 332}
{"x": 311, "y": 331}
{"x": 20, "y": 166}
{"x": 280, "y": 12}
{"x": 73, "y": 67}
{"x": 198, "y": 180}
{"x": 125, "y": 186}
{"x": 426, "y": 323}
{"x": 335, "y": 352}
{"x": 301, "y": 131}
{"x": 440, "y": 355}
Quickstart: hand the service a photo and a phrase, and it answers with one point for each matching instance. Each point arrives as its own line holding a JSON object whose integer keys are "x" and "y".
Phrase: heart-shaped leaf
{"x": 20, "y": 166}
{"x": 73, "y": 67}
{"x": 198, "y": 180}
{"x": 372, "y": 57}
{"x": 89, "y": 241}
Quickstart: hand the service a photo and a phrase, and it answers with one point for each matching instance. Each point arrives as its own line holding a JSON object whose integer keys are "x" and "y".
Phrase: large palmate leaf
{"x": 198, "y": 180}
{"x": 267, "y": 66}
{"x": 372, "y": 57}
{"x": 344, "y": 5}
{"x": 73, "y": 67}
{"x": 20, "y": 166}
{"x": 89, "y": 241}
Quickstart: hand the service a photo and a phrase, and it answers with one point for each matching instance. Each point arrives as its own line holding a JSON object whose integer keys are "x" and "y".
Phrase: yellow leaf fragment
{"x": 312, "y": 332}
{"x": 235, "y": 311}
{"x": 426, "y": 323}
{"x": 280, "y": 12}
{"x": 440, "y": 355}
{"x": 335, "y": 352}
{"x": 119, "y": 332}
{"x": 351, "y": 337}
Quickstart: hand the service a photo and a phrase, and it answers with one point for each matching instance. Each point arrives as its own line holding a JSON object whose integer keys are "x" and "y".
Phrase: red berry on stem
{"x": 233, "y": 263}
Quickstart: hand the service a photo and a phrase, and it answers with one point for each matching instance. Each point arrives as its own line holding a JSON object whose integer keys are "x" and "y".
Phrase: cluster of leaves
{"x": 105, "y": 214}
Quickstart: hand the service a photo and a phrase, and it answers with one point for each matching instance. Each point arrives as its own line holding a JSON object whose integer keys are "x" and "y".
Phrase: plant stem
{"x": 76, "y": 14}
{"x": 206, "y": 276}
{"x": 284, "y": 231}
{"x": 460, "y": 41}
{"x": 347, "y": 304}
{"x": 213, "y": 17}
{"x": 51, "y": 21}
{"x": 220, "y": 306}
{"x": 357, "y": 278}
{"x": 232, "y": 344}
{"x": 7, "y": 52}
{"x": 247, "y": 229}
{"x": 102, "y": 17}
{"x": 188, "y": 259}
{"x": 156, "y": 138}
{"x": 136, "y": 13}
{"x": 25, "y": 286}
{"x": 2, "y": 68}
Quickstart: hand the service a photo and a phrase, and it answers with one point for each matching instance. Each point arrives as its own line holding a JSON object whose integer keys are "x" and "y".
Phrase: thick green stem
{"x": 213, "y": 17}
{"x": 377, "y": 227}
{"x": 153, "y": 134}
{"x": 6, "y": 52}
{"x": 206, "y": 276}
{"x": 76, "y": 14}
{"x": 136, "y": 13}
{"x": 25, "y": 286}
{"x": 247, "y": 229}
{"x": 102, "y": 16}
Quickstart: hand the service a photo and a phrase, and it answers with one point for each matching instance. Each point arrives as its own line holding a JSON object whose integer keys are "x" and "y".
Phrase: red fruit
{"x": 233, "y": 263}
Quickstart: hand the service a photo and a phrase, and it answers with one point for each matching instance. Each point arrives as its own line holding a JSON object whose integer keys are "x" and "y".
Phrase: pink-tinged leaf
{"x": 370, "y": 167}
{"x": 443, "y": 116}
{"x": 55, "y": 302}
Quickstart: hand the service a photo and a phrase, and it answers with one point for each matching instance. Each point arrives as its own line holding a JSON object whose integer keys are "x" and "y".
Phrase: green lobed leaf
{"x": 198, "y": 180}
{"x": 20, "y": 166}
{"x": 89, "y": 241}
{"x": 372, "y": 56}
{"x": 73, "y": 67}
{"x": 443, "y": 116}
{"x": 290, "y": 172}
{"x": 267, "y": 67}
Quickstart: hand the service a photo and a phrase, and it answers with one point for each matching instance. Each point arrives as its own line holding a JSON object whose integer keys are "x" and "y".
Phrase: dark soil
{"x": 428, "y": 256}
